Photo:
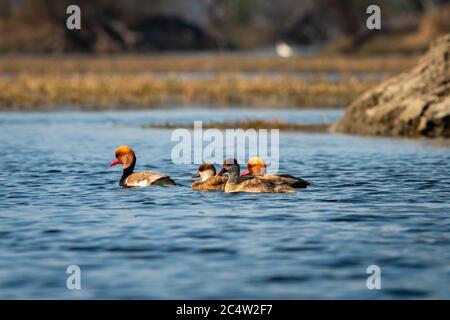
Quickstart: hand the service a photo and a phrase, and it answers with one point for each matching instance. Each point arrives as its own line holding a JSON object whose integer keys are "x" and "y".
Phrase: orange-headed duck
{"x": 257, "y": 168}
{"x": 127, "y": 158}
{"x": 209, "y": 181}
{"x": 255, "y": 185}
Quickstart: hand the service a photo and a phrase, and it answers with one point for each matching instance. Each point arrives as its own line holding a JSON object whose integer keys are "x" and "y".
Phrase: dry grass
{"x": 102, "y": 91}
{"x": 159, "y": 63}
{"x": 150, "y": 81}
{"x": 251, "y": 124}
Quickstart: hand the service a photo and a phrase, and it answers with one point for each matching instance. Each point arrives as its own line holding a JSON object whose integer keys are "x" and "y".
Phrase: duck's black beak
{"x": 195, "y": 176}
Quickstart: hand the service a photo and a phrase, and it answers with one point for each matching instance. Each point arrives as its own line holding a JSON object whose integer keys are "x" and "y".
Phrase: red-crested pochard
{"x": 127, "y": 158}
{"x": 255, "y": 185}
{"x": 209, "y": 181}
{"x": 257, "y": 168}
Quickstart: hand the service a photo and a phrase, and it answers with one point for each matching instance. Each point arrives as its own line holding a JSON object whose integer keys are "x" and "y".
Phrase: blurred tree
{"x": 241, "y": 10}
{"x": 141, "y": 25}
{"x": 5, "y": 8}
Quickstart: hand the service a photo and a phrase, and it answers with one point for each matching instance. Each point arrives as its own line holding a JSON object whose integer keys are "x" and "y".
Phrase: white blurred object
{"x": 283, "y": 50}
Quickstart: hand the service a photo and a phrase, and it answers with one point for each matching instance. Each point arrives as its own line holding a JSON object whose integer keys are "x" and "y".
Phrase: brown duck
{"x": 127, "y": 158}
{"x": 255, "y": 185}
{"x": 209, "y": 181}
{"x": 257, "y": 168}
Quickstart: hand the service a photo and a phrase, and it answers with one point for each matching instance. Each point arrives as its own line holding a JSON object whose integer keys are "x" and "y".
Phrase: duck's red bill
{"x": 112, "y": 164}
{"x": 246, "y": 172}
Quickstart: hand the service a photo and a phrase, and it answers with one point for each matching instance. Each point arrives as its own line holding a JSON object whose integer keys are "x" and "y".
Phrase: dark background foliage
{"x": 38, "y": 26}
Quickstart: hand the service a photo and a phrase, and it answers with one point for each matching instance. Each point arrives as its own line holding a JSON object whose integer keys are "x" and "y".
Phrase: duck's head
{"x": 231, "y": 166}
{"x": 125, "y": 156}
{"x": 205, "y": 171}
{"x": 255, "y": 166}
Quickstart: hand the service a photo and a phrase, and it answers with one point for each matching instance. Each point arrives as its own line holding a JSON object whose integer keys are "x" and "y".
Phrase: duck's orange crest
{"x": 256, "y": 161}
{"x": 255, "y": 166}
{"x": 122, "y": 150}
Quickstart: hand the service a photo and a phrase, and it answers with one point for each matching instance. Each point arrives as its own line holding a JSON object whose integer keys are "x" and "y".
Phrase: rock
{"x": 414, "y": 103}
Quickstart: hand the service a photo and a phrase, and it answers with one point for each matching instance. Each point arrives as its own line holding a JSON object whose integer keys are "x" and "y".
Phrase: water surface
{"x": 375, "y": 201}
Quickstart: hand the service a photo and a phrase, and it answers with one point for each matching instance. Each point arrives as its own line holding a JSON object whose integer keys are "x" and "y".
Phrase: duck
{"x": 257, "y": 168}
{"x": 255, "y": 185}
{"x": 209, "y": 180}
{"x": 127, "y": 158}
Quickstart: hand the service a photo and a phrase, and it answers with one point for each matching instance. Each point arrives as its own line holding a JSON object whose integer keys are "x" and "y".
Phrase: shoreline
{"x": 249, "y": 124}
{"x": 158, "y": 107}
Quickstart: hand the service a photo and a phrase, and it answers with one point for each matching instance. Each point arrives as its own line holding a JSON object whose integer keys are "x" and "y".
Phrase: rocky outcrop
{"x": 414, "y": 103}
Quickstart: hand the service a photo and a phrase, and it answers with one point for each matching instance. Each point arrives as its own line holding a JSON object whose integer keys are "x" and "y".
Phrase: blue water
{"x": 374, "y": 201}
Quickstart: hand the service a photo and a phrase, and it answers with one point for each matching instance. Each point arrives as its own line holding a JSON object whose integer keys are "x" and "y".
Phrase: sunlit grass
{"x": 100, "y": 90}
{"x": 157, "y": 81}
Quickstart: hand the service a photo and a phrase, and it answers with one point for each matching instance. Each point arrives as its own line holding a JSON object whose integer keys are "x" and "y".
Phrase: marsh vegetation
{"x": 126, "y": 82}
{"x": 249, "y": 124}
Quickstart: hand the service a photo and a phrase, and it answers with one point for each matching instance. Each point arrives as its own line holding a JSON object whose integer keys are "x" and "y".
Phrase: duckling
{"x": 209, "y": 181}
{"x": 257, "y": 168}
{"x": 255, "y": 185}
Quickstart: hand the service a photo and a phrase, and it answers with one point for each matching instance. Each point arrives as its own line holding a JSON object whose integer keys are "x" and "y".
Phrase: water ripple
{"x": 373, "y": 201}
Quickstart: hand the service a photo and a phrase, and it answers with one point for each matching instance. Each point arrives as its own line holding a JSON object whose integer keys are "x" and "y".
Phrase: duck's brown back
{"x": 257, "y": 185}
{"x": 148, "y": 178}
{"x": 212, "y": 184}
{"x": 286, "y": 178}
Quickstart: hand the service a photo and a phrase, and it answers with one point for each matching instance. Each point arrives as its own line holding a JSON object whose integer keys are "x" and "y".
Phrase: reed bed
{"x": 167, "y": 63}
{"x": 95, "y": 90}
{"x": 140, "y": 81}
{"x": 250, "y": 124}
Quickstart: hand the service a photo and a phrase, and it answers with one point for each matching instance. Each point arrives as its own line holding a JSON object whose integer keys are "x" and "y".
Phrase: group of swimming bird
{"x": 229, "y": 179}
